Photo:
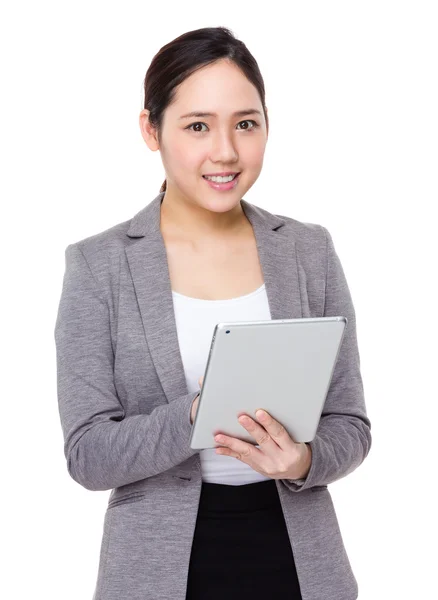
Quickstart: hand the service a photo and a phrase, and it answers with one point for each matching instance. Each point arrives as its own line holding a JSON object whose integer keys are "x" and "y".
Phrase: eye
{"x": 193, "y": 124}
{"x": 255, "y": 124}
{"x": 249, "y": 121}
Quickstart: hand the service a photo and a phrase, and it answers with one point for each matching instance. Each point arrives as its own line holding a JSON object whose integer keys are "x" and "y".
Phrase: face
{"x": 194, "y": 146}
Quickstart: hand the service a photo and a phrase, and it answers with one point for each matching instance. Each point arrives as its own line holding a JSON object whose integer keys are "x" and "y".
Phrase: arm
{"x": 343, "y": 437}
{"x": 104, "y": 449}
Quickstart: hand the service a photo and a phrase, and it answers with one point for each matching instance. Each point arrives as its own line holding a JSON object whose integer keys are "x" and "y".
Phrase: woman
{"x": 137, "y": 311}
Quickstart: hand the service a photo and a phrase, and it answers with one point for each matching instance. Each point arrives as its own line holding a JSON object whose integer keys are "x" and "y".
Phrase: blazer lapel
{"x": 147, "y": 260}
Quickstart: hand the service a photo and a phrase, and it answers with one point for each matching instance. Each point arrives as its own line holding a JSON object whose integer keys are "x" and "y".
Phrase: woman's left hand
{"x": 278, "y": 456}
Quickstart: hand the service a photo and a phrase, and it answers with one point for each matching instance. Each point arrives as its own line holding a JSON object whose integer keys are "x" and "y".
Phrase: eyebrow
{"x": 239, "y": 113}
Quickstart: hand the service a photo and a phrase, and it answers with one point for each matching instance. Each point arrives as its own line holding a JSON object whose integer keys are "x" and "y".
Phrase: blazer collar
{"x": 147, "y": 221}
{"x": 147, "y": 261}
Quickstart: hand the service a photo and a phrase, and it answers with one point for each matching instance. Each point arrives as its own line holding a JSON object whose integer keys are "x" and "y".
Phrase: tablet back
{"x": 283, "y": 366}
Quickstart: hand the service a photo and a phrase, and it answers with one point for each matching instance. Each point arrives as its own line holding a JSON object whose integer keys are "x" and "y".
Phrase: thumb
{"x": 200, "y": 380}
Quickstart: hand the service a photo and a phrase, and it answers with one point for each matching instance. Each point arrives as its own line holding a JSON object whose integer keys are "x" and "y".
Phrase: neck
{"x": 191, "y": 220}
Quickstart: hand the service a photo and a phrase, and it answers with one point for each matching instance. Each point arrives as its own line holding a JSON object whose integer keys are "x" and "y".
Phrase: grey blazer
{"x": 125, "y": 410}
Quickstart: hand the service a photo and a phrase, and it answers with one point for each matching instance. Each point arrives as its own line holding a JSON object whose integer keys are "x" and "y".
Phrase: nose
{"x": 223, "y": 148}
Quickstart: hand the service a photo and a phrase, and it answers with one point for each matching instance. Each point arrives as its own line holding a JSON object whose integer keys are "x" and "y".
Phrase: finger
{"x": 260, "y": 434}
{"x": 237, "y": 448}
{"x": 275, "y": 429}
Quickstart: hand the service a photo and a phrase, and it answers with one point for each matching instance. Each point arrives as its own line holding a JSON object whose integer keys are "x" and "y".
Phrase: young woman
{"x": 138, "y": 307}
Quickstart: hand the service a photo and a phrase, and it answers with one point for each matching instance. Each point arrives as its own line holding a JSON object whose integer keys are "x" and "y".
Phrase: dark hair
{"x": 184, "y": 55}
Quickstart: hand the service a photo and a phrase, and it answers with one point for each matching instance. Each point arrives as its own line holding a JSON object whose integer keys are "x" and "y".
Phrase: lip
{"x": 224, "y": 174}
{"x": 229, "y": 185}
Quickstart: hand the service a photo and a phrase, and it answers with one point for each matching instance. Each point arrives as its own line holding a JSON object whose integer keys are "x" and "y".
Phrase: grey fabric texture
{"x": 125, "y": 409}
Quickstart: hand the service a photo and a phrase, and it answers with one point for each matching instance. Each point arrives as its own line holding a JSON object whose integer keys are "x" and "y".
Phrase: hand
{"x": 279, "y": 456}
{"x": 196, "y": 402}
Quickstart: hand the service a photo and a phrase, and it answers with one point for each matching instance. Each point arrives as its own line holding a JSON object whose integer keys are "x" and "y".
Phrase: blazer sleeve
{"x": 104, "y": 448}
{"x": 343, "y": 437}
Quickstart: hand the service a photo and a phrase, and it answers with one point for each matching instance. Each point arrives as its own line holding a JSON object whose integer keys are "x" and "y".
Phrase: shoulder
{"x": 110, "y": 243}
{"x": 309, "y": 242}
{"x": 112, "y": 236}
{"x": 304, "y": 232}
{"x": 311, "y": 239}
{"x": 103, "y": 248}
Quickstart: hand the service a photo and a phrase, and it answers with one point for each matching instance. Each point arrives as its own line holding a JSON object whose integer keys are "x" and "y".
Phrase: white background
{"x": 353, "y": 145}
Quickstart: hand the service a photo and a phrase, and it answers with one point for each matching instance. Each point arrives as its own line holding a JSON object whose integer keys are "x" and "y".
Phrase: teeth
{"x": 221, "y": 179}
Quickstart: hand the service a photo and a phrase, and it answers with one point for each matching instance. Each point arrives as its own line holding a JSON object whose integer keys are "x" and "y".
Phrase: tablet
{"x": 284, "y": 366}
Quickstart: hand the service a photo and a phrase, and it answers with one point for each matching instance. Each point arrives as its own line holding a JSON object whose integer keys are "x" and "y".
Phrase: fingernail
{"x": 260, "y": 414}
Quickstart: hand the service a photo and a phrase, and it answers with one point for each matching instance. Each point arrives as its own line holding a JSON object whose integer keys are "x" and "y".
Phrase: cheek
{"x": 251, "y": 154}
{"x": 187, "y": 158}
{"x": 254, "y": 154}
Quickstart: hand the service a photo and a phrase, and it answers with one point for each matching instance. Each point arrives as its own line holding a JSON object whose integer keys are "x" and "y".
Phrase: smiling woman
{"x": 139, "y": 303}
{"x": 211, "y": 121}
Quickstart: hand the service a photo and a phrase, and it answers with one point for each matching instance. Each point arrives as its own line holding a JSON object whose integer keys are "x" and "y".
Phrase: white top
{"x": 195, "y": 322}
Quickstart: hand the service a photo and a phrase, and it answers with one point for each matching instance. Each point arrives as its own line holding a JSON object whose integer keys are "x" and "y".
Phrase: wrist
{"x": 306, "y": 461}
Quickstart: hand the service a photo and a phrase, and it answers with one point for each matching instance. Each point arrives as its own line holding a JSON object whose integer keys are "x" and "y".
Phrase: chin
{"x": 220, "y": 205}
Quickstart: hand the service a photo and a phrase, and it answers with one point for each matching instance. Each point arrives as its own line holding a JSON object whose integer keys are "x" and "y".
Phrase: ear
{"x": 148, "y": 132}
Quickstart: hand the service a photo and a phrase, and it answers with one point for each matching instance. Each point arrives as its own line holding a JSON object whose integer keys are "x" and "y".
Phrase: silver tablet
{"x": 283, "y": 366}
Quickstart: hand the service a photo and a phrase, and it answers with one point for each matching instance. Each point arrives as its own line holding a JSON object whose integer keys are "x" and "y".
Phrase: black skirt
{"x": 241, "y": 547}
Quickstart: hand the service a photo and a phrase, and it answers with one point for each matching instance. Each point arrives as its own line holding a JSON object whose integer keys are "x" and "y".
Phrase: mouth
{"x": 222, "y": 183}
{"x": 226, "y": 175}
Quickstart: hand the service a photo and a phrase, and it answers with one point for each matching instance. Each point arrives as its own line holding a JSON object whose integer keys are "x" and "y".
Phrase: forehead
{"x": 219, "y": 89}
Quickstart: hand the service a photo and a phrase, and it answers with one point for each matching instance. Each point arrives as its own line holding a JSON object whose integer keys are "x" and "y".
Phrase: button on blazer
{"x": 125, "y": 408}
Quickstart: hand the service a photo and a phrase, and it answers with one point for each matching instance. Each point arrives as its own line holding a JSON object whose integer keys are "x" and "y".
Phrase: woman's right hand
{"x": 195, "y": 402}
